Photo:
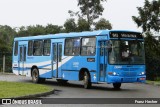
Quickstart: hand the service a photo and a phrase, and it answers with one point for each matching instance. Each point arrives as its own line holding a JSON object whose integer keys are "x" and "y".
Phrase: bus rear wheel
{"x": 116, "y": 85}
{"x": 86, "y": 81}
{"x": 35, "y": 76}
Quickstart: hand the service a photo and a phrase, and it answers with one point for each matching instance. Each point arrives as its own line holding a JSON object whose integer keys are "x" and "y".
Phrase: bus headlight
{"x": 142, "y": 73}
{"x": 113, "y": 73}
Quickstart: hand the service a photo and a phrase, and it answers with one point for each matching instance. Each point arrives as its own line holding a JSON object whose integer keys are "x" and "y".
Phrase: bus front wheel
{"x": 86, "y": 80}
{"x": 116, "y": 85}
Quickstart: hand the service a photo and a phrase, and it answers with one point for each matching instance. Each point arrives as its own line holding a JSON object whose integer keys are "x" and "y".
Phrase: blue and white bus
{"x": 103, "y": 56}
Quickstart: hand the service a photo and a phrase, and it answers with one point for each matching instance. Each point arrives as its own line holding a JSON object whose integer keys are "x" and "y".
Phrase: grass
{"x": 16, "y": 89}
{"x": 153, "y": 82}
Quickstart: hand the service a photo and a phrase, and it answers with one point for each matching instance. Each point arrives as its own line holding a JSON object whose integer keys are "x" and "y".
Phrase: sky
{"x": 16, "y": 13}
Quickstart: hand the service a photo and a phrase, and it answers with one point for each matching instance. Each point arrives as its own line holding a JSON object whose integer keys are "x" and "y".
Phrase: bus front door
{"x": 22, "y": 59}
{"x": 57, "y": 60}
{"x": 102, "y": 61}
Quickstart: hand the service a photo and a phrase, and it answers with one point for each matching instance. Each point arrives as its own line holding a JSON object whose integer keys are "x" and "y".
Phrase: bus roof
{"x": 71, "y": 34}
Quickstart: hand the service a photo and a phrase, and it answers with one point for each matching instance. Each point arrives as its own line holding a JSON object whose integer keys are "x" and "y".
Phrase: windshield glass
{"x": 126, "y": 52}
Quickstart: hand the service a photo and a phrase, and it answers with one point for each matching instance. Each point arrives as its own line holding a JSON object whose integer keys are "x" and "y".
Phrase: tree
{"x": 82, "y": 25}
{"x": 36, "y": 30}
{"x": 148, "y": 18}
{"x": 152, "y": 50}
{"x": 70, "y": 25}
{"x": 149, "y": 15}
{"x": 92, "y": 9}
{"x": 22, "y": 31}
{"x": 53, "y": 29}
{"x": 6, "y": 38}
{"x": 103, "y": 24}
{"x": 3, "y": 47}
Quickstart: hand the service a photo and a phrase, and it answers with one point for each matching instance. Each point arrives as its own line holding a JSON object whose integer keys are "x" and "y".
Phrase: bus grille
{"x": 129, "y": 74}
{"x": 129, "y": 69}
{"x": 133, "y": 69}
{"x": 124, "y": 69}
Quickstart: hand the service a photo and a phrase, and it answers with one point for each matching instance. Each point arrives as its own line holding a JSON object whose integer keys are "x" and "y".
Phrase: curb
{"x": 34, "y": 95}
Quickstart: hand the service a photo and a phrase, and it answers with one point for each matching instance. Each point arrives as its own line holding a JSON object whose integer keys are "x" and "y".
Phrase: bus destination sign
{"x": 125, "y": 35}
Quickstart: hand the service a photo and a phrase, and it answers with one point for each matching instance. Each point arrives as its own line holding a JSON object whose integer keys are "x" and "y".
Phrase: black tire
{"x": 35, "y": 76}
{"x": 86, "y": 81}
{"x": 116, "y": 85}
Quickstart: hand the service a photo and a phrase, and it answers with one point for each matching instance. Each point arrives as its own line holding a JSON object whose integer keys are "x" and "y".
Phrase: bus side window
{"x": 76, "y": 46}
{"x": 30, "y": 48}
{"x": 72, "y": 46}
{"x": 37, "y": 47}
{"x": 16, "y": 48}
{"x": 88, "y": 46}
{"x": 46, "y": 47}
{"x": 68, "y": 47}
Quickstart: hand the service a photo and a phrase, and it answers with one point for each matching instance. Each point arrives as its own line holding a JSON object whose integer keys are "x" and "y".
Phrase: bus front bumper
{"x": 118, "y": 79}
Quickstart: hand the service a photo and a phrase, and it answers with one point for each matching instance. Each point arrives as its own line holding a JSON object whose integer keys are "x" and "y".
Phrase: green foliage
{"x": 22, "y": 31}
{"x": 149, "y": 15}
{"x": 36, "y": 30}
{"x": 82, "y": 25}
{"x": 53, "y": 29}
{"x": 152, "y": 50}
{"x": 103, "y": 24}
{"x": 6, "y": 38}
{"x": 39, "y": 30}
{"x": 70, "y": 25}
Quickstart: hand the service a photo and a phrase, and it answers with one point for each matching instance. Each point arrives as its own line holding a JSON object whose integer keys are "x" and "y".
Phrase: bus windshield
{"x": 126, "y": 52}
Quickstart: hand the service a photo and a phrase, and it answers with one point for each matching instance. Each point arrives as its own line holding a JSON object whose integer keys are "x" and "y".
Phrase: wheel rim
{"x": 35, "y": 75}
{"x": 85, "y": 80}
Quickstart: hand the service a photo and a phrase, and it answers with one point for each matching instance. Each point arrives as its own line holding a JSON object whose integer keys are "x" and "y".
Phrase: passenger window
{"x": 68, "y": 47}
{"x": 16, "y": 48}
{"x": 47, "y": 46}
{"x": 72, "y": 46}
{"x": 37, "y": 47}
{"x": 76, "y": 47}
{"x": 88, "y": 46}
{"x": 30, "y": 48}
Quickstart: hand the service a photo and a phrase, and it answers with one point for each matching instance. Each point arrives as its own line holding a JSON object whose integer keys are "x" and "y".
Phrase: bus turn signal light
{"x": 142, "y": 78}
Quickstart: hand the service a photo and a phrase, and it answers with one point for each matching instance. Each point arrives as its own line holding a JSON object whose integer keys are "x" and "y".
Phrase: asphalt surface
{"x": 75, "y": 89}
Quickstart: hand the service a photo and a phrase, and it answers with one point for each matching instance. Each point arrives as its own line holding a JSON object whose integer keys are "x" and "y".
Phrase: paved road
{"x": 76, "y": 90}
